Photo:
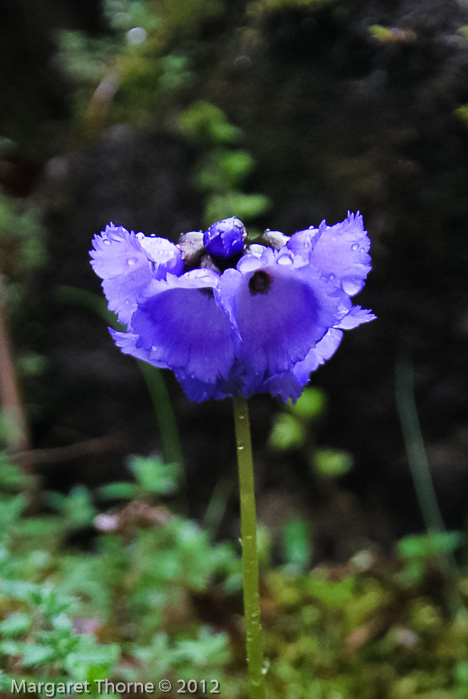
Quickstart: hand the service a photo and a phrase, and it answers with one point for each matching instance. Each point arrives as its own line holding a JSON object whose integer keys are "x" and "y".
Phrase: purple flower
{"x": 274, "y": 314}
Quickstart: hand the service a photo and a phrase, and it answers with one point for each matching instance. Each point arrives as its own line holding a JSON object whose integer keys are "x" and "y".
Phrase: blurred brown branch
{"x": 15, "y": 428}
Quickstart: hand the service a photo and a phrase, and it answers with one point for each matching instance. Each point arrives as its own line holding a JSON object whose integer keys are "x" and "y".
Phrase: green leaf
{"x": 287, "y": 433}
{"x": 62, "y": 622}
{"x": 297, "y": 543}
{"x": 11, "y": 647}
{"x": 236, "y": 165}
{"x": 332, "y": 463}
{"x": 154, "y": 476}
{"x": 428, "y": 545}
{"x": 11, "y": 477}
{"x": 209, "y": 648}
{"x": 77, "y": 507}
{"x": 331, "y": 594}
{"x": 245, "y": 206}
{"x": 15, "y": 623}
{"x": 92, "y": 661}
{"x": 311, "y": 404}
{"x": 35, "y": 654}
{"x": 203, "y": 121}
{"x": 383, "y": 34}
{"x": 461, "y": 673}
{"x": 11, "y": 510}
{"x": 117, "y": 491}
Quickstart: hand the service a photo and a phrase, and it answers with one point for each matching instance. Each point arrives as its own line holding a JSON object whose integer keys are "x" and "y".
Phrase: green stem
{"x": 153, "y": 378}
{"x": 163, "y": 412}
{"x": 253, "y": 629}
{"x": 421, "y": 472}
{"x": 414, "y": 443}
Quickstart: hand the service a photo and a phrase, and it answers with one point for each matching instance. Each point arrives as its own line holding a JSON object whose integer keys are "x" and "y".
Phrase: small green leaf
{"x": 62, "y": 622}
{"x": 207, "y": 649}
{"x": 297, "y": 543}
{"x": 203, "y": 122}
{"x": 288, "y": 432}
{"x": 35, "y": 654}
{"x": 311, "y": 404}
{"x": 331, "y": 594}
{"x": 11, "y": 510}
{"x": 92, "y": 661}
{"x": 427, "y": 545}
{"x": 117, "y": 491}
{"x": 15, "y": 623}
{"x": 154, "y": 476}
{"x": 236, "y": 165}
{"x": 381, "y": 33}
{"x": 245, "y": 206}
{"x": 332, "y": 463}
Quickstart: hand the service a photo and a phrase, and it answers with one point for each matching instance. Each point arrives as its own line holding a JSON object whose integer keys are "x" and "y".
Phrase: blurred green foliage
{"x": 260, "y": 7}
{"x": 131, "y": 72}
{"x": 152, "y": 596}
{"x": 141, "y": 72}
{"x": 295, "y": 429}
{"x": 22, "y": 249}
{"x": 222, "y": 167}
{"x": 70, "y": 616}
{"x": 22, "y": 239}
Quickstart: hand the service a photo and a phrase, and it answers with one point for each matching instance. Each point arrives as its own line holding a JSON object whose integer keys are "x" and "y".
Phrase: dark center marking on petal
{"x": 207, "y": 291}
{"x": 260, "y": 283}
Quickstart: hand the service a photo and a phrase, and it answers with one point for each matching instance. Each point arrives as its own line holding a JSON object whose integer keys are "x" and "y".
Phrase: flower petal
{"x": 281, "y": 312}
{"x": 128, "y": 343}
{"x": 318, "y": 355}
{"x": 127, "y": 262}
{"x": 199, "y": 391}
{"x": 303, "y": 242}
{"x": 165, "y": 257}
{"x": 122, "y": 264}
{"x": 341, "y": 253}
{"x": 184, "y": 327}
{"x": 355, "y": 317}
{"x": 284, "y": 385}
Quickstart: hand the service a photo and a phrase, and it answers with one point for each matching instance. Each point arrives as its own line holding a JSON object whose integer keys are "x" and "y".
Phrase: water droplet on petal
{"x": 355, "y": 247}
{"x": 131, "y": 261}
{"x": 352, "y": 284}
{"x": 153, "y": 235}
{"x": 285, "y": 260}
{"x": 331, "y": 277}
{"x": 107, "y": 242}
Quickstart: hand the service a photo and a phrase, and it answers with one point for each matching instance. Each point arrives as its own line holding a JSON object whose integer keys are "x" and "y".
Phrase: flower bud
{"x": 225, "y": 238}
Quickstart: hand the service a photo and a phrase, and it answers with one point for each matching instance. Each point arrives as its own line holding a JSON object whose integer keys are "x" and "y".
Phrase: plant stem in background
{"x": 15, "y": 424}
{"x": 420, "y": 470}
{"x": 417, "y": 459}
{"x": 163, "y": 412}
{"x": 16, "y": 431}
{"x": 154, "y": 380}
{"x": 253, "y": 629}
